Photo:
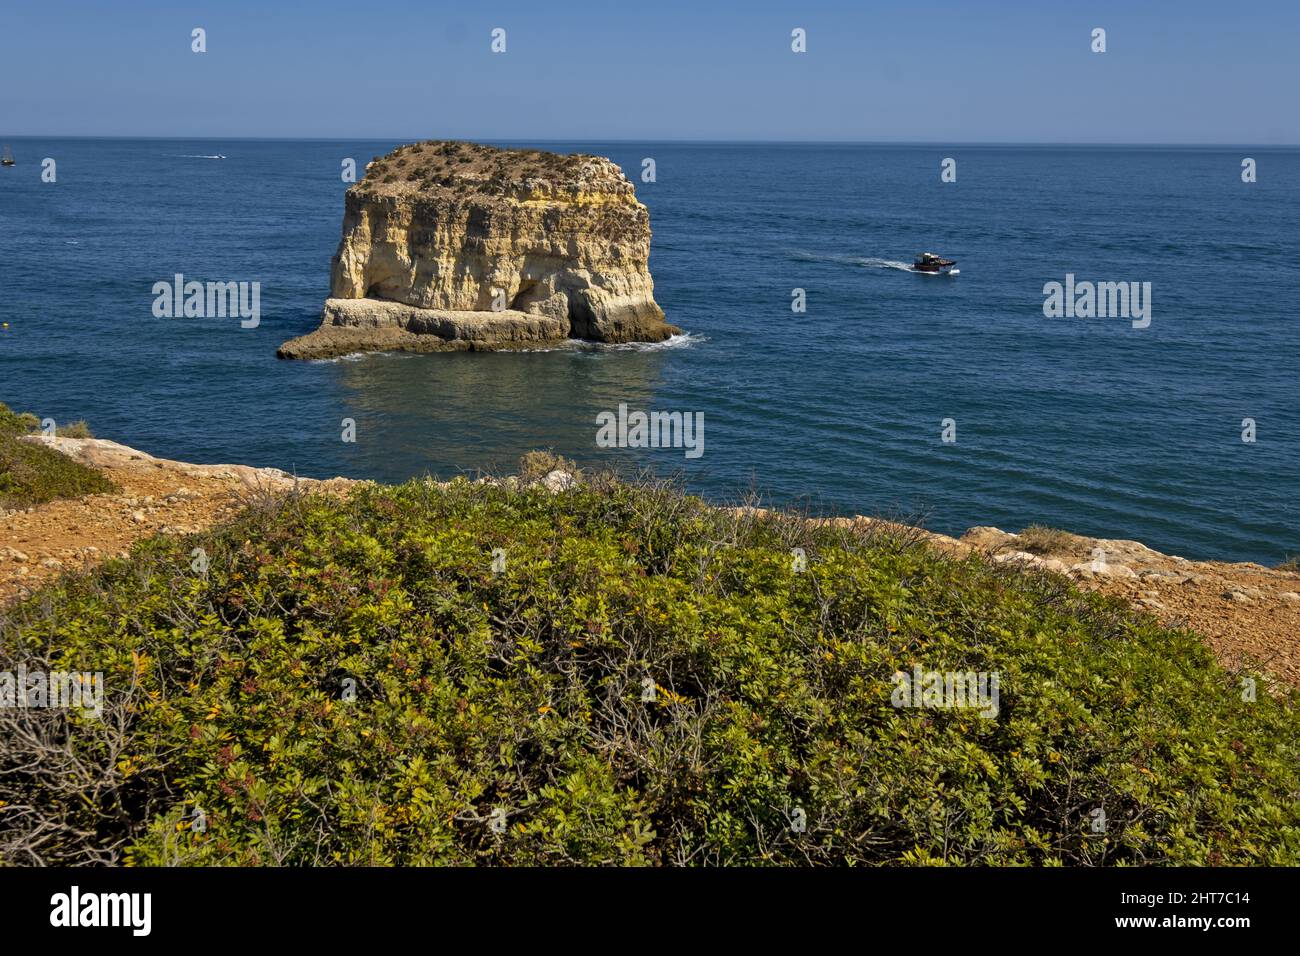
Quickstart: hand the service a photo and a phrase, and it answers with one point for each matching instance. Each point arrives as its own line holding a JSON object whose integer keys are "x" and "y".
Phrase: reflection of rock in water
{"x": 457, "y": 412}
{"x": 456, "y": 246}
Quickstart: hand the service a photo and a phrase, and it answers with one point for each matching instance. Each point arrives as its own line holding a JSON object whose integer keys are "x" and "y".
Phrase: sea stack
{"x": 451, "y": 246}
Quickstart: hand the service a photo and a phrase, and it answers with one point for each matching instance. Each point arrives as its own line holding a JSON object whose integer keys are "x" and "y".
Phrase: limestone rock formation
{"x": 450, "y": 245}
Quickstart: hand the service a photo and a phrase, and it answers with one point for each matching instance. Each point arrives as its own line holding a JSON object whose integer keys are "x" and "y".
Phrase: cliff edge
{"x": 1247, "y": 613}
{"x": 450, "y": 245}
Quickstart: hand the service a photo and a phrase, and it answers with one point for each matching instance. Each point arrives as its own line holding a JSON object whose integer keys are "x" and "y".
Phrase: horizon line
{"x": 671, "y": 141}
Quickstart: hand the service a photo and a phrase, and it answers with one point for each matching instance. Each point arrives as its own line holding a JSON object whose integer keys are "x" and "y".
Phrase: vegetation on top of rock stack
{"x": 618, "y": 674}
{"x": 33, "y": 474}
{"x": 488, "y": 171}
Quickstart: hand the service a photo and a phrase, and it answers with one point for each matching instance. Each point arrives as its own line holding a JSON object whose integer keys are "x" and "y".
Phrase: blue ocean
{"x": 1087, "y": 424}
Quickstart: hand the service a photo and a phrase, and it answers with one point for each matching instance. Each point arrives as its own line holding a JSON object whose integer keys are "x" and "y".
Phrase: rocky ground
{"x": 37, "y": 544}
{"x": 1246, "y": 612}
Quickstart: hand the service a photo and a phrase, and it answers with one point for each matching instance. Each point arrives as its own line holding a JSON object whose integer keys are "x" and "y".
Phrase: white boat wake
{"x": 867, "y": 262}
{"x": 872, "y": 263}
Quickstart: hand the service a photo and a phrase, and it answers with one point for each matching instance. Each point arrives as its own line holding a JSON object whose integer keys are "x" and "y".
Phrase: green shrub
{"x": 538, "y": 464}
{"x": 1038, "y": 539}
{"x": 648, "y": 681}
{"x": 78, "y": 429}
{"x": 33, "y": 474}
{"x": 17, "y": 423}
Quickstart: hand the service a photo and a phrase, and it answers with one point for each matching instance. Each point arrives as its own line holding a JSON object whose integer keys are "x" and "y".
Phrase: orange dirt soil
{"x": 156, "y": 496}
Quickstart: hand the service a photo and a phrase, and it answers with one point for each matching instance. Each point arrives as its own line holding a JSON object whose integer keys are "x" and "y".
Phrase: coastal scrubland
{"x": 618, "y": 673}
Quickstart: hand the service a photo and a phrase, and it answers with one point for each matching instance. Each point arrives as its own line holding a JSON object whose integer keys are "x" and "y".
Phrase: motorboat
{"x": 935, "y": 265}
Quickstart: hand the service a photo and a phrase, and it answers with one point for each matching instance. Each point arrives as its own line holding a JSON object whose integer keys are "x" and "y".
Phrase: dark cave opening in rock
{"x": 524, "y": 296}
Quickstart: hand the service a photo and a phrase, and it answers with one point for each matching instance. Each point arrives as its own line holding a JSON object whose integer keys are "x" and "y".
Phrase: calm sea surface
{"x": 1089, "y": 425}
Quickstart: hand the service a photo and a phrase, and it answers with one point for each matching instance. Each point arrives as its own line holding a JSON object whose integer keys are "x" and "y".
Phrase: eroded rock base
{"x": 375, "y": 325}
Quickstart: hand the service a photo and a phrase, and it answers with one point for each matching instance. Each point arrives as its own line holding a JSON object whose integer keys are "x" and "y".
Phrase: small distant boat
{"x": 935, "y": 265}
{"x": 8, "y": 157}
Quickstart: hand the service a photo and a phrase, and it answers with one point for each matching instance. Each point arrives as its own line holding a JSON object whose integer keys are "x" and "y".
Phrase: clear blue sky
{"x": 1195, "y": 71}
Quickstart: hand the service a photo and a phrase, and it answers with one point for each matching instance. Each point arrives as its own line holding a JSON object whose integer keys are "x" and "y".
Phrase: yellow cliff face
{"x": 463, "y": 228}
{"x": 581, "y": 198}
